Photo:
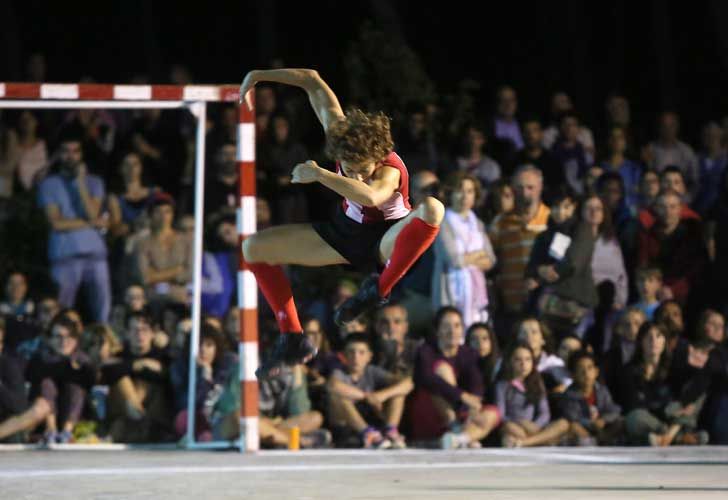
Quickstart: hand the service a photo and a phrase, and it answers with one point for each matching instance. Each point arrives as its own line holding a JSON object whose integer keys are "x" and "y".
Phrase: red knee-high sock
{"x": 277, "y": 290}
{"x": 411, "y": 242}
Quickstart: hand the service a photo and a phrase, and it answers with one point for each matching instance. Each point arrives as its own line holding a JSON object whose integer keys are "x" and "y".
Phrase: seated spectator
{"x": 650, "y": 416}
{"x": 475, "y": 162}
{"x": 222, "y": 186}
{"x": 617, "y": 162}
{"x": 394, "y": 348}
{"x": 61, "y": 373}
{"x": 33, "y": 153}
{"x": 568, "y": 346}
{"x": 483, "y": 340}
{"x": 366, "y": 399}
{"x": 163, "y": 258}
{"x": 16, "y": 301}
{"x": 48, "y": 307}
{"x": 673, "y": 245}
{"x": 537, "y": 336}
{"x": 216, "y": 368}
{"x": 323, "y": 309}
{"x": 570, "y": 153}
{"x": 448, "y": 371}
{"x": 649, "y": 288}
{"x": 72, "y": 201}
{"x": 128, "y": 209}
{"x": 712, "y": 162}
{"x": 15, "y": 416}
{"x": 670, "y": 316}
{"x": 140, "y": 411}
{"x": 588, "y": 406}
{"x": 462, "y": 253}
{"x": 285, "y": 404}
{"x": 103, "y": 348}
{"x": 323, "y": 364}
{"x": 623, "y": 345}
{"x": 668, "y": 149}
{"x": 135, "y": 301}
{"x": 220, "y": 266}
{"x": 523, "y": 404}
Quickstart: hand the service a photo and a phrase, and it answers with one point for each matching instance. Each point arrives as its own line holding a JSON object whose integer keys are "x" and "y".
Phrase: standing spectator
{"x": 463, "y": 252}
{"x": 219, "y": 266}
{"x": 473, "y": 159}
{"x": 9, "y": 152}
{"x": 128, "y": 209}
{"x": 279, "y": 153}
{"x": 617, "y": 161}
{"x": 221, "y": 189}
{"x": 649, "y": 188}
{"x": 72, "y": 201}
{"x": 416, "y": 143}
{"x": 500, "y": 201}
{"x": 523, "y": 405}
{"x": 534, "y": 153}
{"x": 712, "y": 162}
{"x": 512, "y": 236}
{"x": 33, "y": 155}
{"x": 569, "y": 152}
{"x": 16, "y": 301}
{"x": 365, "y": 398}
{"x": 607, "y": 260}
{"x": 448, "y": 371}
{"x": 674, "y": 246}
{"x": 163, "y": 257}
{"x": 671, "y": 179}
{"x": 618, "y": 115}
{"x": 717, "y": 242}
{"x": 668, "y": 149}
{"x": 161, "y": 147}
{"x": 97, "y": 130}
{"x": 61, "y": 374}
{"x": 507, "y": 138}
{"x": 649, "y": 288}
{"x": 560, "y": 104}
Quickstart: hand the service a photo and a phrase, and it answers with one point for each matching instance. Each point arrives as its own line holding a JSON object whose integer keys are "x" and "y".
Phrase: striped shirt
{"x": 512, "y": 241}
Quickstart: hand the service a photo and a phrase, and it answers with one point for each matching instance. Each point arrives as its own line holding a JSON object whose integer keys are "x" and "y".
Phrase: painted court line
{"x": 147, "y": 471}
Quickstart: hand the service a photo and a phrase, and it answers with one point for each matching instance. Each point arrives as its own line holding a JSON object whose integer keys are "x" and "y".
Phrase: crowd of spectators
{"x": 576, "y": 293}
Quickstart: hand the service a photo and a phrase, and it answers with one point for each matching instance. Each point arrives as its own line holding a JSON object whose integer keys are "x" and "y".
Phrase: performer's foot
{"x": 289, "y": 349}
{"x": 365, "y": 299}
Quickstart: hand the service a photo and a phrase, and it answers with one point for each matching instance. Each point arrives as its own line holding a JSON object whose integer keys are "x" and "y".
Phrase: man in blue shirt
{"x": 73, "y": 200}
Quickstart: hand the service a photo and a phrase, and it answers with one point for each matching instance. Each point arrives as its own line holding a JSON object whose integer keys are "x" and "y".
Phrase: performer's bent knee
{"x": 432, "y": 211}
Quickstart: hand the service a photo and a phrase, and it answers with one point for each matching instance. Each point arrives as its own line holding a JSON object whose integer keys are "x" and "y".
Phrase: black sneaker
{"x": 366, "y": 298}
{"x": 289, "y": 349}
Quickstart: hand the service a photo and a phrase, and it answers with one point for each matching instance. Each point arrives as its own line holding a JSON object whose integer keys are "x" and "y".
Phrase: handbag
{"x": 552, "y": 306}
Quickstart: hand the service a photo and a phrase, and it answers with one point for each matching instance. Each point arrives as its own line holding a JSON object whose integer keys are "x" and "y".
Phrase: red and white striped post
{"x": 247, "y": 286}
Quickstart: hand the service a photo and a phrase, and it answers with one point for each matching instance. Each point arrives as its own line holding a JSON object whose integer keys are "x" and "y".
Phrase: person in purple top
{"x": 522, "y": 403}
{"x": 73, "y": 202}
{"x": 449, "y": 371}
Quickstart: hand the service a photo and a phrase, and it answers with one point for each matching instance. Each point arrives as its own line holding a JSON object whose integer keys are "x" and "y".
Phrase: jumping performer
{"x": 375, "y": 229}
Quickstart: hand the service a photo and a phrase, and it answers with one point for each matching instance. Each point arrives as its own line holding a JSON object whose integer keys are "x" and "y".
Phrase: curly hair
{"x": 360, "y": 137}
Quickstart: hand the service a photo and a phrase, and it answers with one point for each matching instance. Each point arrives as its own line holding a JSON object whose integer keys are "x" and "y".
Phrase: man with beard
{"x": 73, "y": 201}
{"x": 221, "y": 191}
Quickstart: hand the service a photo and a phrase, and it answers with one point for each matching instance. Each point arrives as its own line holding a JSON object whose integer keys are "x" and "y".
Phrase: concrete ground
{"x": 545, "y": 473}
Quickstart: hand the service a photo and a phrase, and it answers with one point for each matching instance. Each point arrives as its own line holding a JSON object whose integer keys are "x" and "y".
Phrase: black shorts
{"x": 358, "y": 243}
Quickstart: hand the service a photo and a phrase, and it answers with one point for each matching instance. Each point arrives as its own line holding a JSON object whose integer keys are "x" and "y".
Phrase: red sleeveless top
{"x": 395, "y": 207}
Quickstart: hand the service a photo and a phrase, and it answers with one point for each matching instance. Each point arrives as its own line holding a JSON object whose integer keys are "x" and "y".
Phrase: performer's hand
{"x": 305, "y": 173}
{"x": 246, "y": 87}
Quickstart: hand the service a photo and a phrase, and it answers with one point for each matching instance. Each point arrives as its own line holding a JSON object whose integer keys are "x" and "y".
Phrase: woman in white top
{"x": 463, "y": 252}
{"x": 33, "y": 157}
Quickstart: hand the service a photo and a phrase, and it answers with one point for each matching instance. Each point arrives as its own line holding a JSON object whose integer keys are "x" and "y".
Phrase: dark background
{"x": 661, "y": 54}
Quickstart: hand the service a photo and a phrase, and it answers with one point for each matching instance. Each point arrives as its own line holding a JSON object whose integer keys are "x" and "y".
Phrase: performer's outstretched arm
{"x": 323, "y": 100}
